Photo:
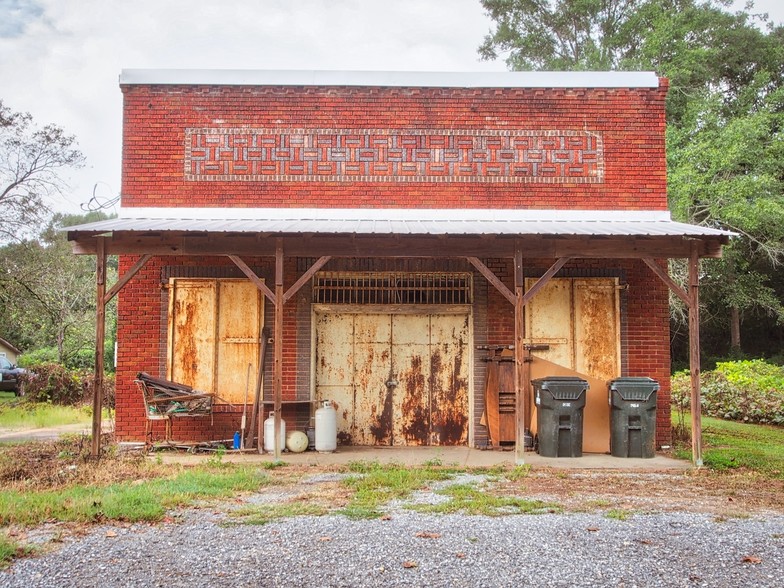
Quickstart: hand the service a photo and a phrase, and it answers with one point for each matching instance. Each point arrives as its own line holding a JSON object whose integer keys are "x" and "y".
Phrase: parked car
{"x": 9, "y": 376}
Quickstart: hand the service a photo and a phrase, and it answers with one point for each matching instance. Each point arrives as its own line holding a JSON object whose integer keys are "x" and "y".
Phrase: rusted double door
{"x": 396, "y": 379}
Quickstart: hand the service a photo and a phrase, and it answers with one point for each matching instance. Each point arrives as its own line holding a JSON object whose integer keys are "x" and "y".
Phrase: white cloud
{"x": 59, "y": 59}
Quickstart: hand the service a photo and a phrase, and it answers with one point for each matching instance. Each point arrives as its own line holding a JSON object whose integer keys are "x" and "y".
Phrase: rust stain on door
{"x": 449, "y": 381}
{"x": 192, "y": 320}
{"x": 415, "y": 422}
{"x": 597, "y": 333}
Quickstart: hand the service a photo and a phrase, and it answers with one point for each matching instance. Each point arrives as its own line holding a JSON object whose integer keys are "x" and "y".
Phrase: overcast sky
{"x": 60, "y": 59}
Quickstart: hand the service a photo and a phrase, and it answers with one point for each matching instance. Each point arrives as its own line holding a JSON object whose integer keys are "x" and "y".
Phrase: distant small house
{"x": 8, "y": 351}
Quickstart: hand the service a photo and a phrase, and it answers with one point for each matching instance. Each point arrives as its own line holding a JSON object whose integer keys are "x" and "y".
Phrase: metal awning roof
{"x": 413, "y": 79}
{"x": 375, "y": 221}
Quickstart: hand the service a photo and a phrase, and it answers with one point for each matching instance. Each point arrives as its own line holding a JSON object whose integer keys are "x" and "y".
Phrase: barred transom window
{"x": 392, "y": 288}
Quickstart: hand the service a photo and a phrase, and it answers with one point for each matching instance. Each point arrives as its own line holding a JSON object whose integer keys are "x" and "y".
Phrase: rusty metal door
{"x": 397, "y": 379}
{"x": 192, "y": 322}
{"x": 579, "y": 319}
{"x": 214, "y": 329}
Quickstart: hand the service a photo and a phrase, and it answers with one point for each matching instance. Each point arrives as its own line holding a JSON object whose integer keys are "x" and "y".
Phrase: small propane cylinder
{"x": 296, "y": 441}
{"x": 269, "y": 433}
{"x": 326, "y": 428}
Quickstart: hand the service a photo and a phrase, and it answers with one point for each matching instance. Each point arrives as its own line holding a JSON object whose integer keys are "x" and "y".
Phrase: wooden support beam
{"x": 395, "y": 246}
{"x": 277, "y": 376}
{"x": 305, "y": 277}
{"x": 542, "y": 282}
{"x": 253, "y": 277}
{"x": 521, "y": 366}
{"x": 694, "y": 357}
{"x": 492, "y": 278}
{"x": 100, "y": 334}
{"x": 665, "y": 277}
{"x": 126, "y": 278}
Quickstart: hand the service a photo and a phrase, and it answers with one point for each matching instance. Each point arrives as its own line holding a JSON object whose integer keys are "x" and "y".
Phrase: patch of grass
{"x": 9, "y": 550}
{"x": 261, "y": 515}
{"x": 618, "y": 514}
{"x": 7, "y": 397}
{"x": 127, "y": 501}
{"x": 725, "y": 516}
{"x": 596, "y": 503}
{"x": 378, "y": 484}
{"x": 519, "y": 472}
{"x": 467, "y": 499}
{"x": 274, "y": 464}
{"x": 493, "y": 473}
{"x": 34, "y": 415}
{"x": 728, "y": 445}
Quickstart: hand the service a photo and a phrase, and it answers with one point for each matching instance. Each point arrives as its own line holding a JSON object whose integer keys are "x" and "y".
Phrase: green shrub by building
{"x": 749, "y": 391}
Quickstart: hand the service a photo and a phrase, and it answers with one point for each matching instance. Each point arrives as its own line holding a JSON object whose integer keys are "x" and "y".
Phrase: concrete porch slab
{"x": 448, "y": 456}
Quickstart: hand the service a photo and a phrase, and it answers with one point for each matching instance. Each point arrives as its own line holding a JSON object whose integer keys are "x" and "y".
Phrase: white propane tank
{"x": 296, "y": 441}
{"x": 326, "y": 428}
{"x": 269, "y": 433}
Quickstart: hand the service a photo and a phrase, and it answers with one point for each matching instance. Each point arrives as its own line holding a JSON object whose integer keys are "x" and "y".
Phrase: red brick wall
{"x": 630, "y": 121}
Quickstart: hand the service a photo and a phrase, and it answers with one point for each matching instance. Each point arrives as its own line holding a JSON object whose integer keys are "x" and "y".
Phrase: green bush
{"x": 38, "y": 357}
{"x": 51, "y": 382}
{"x": 749, "y": 391}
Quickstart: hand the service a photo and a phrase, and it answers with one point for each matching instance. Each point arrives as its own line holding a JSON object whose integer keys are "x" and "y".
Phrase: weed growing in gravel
{"x": 10, "y": 549}
{"x": 378, "y": 484}
{"x": 467, "y": 499}
{"x": 263, "y": 514}
{"x": 518, "y": 473}
{"x": 216, "y": 459}
{"x": 618, "y": 514}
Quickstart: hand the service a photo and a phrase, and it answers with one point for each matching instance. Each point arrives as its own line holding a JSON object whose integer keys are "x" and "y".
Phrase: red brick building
{"x": 399, "y": 226}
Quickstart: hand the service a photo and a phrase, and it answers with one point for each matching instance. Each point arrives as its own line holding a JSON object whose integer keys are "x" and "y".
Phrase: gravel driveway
{"x": 198, "y": 548}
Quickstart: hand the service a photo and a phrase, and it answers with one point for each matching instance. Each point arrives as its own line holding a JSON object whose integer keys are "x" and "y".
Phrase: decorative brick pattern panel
{"x": 613, "y": 140}
{"x": 387, "y": 155}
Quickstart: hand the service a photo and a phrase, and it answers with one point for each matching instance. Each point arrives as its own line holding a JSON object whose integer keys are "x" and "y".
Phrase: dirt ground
{"x": 58, "y": 463}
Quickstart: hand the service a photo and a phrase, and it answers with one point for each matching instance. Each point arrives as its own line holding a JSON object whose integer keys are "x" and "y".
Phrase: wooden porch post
{"x": 694, "y": 355}
{"x": 100, "y": 334}
{"x": 277, "y": 379}
{"x": 522, "y": 368}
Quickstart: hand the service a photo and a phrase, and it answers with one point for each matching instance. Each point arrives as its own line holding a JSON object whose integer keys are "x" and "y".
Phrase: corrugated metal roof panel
{"x": 422, "y": 79}
{"x": 401, "y": 222}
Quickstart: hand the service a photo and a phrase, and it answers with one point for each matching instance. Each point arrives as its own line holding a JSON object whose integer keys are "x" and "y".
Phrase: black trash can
{"x": 633, "y": 417}
{"x": 560, "y": 402}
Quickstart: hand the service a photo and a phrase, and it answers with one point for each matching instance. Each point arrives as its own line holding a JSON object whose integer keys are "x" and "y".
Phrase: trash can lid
{"x": 630, "y": 388}
{"x": 630, "y": 382}
{"x": 562, "y": 387}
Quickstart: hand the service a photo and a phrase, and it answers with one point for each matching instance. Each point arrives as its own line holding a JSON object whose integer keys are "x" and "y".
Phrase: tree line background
{"x": 725, "y": 136}
{"x": 725, "y": 157}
